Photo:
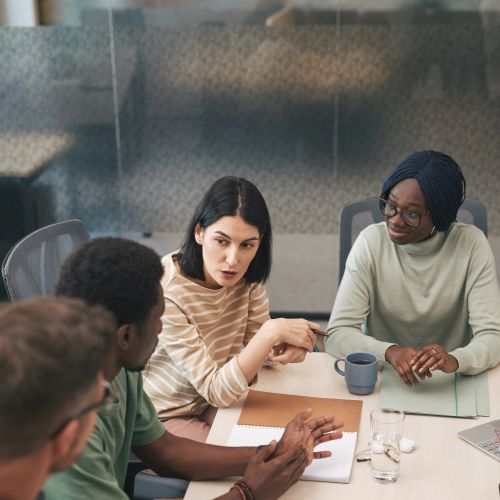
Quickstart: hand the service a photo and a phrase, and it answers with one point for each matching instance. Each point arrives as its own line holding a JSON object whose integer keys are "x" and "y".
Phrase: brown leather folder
{"x": 276, "y": 410}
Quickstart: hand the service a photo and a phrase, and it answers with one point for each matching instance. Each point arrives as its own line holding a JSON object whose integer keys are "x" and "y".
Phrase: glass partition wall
{"x": 122, "y": 113}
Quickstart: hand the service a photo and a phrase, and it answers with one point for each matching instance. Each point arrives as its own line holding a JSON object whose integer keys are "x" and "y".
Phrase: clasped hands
{"x": 297, "y": 338}
{"x": 279, "y": 465}
{"x": 284, "y": 353}
{"x": 411, "y": 363}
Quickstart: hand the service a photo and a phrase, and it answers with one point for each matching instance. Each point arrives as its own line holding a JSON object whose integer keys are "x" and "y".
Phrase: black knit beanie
{"x": 441, "y": 182}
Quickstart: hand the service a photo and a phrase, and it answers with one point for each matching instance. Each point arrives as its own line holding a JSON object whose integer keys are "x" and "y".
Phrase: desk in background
{"x": 23, "y": 156}
{"x": 442, "y": 467}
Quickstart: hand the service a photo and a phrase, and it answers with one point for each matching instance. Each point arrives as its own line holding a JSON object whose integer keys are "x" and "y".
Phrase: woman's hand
{"x": 402, "y": 360}
{"x": 284, "y": 353}
{"x": 433, "y": 357}
{"x": 296, "y": 332}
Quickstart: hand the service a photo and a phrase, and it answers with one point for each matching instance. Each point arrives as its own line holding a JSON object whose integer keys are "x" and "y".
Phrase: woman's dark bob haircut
{"x": 230, "y": 196}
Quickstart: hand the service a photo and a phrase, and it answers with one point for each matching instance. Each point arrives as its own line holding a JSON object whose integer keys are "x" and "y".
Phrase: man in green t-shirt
{"x": 124, "y": 276}
{"x": 49, "y": 391}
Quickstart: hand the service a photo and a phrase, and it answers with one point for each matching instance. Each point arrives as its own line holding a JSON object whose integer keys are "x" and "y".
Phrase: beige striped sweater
{"x": 195, "y": 363}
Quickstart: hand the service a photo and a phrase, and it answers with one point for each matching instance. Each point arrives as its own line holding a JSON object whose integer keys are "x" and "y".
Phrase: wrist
{"x": 235, "y": 493}
{"x": 270, "y": 334}
{"x": 389, "y": 352}
{"x": 245, "y": 492}
{"x": 455, "y": 363}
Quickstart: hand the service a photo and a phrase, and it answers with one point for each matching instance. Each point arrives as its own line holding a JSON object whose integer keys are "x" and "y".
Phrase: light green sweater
{"x": 442, "y": 290}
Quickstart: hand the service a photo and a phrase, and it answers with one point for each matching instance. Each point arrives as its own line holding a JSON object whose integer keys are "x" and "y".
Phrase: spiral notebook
{"x": 265, "y": 415}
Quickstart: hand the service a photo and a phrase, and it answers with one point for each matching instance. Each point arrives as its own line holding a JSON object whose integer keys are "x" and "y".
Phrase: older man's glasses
{"x": 389, "y": 210}
{"x": 106, "y": 403}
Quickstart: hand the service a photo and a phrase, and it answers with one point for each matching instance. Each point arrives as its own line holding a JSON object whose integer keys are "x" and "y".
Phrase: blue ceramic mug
{"x": 360, "y": 372}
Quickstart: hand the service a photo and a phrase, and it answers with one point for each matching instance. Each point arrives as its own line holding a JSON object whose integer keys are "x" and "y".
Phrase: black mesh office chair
{"x": 355, "y": 216}
{"x": 31, "y": 267}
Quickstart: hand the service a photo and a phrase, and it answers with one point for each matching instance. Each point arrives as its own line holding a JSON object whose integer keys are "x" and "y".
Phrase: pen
{"x": 321, "y": 333}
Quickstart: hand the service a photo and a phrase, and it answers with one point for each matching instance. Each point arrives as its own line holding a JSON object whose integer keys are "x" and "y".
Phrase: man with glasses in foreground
{"x": 51, "y": 355}
{"x": 124, "y": 276}
{"x": 420, "y": 290}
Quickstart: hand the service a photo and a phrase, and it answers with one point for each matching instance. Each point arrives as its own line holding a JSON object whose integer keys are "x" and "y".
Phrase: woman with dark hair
{"x": 420, "y": 290}
{"x": 216, "y": 327}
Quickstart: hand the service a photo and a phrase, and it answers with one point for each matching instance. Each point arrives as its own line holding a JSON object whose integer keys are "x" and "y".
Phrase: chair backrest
{"x": 31, "y": 267}
{"x": 354, "y": 217}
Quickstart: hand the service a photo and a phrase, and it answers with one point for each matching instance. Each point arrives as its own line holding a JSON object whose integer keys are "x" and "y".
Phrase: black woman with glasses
{"x": 51, "y": 355}
{"x": 420, "y": 290}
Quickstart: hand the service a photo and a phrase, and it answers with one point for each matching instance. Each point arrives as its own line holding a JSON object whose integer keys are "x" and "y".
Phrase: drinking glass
{"x": 386, "y": 427}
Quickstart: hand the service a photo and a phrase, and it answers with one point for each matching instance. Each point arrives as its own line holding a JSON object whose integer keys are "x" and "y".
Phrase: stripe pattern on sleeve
{"x": 195, "y": 363}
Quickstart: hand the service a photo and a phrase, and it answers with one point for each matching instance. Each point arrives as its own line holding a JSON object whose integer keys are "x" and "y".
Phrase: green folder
{"x": 446, "y": 394}
{"x": 482, "y": 394}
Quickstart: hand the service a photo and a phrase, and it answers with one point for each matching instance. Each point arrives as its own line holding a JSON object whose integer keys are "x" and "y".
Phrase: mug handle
{"x": 336, "y": 366}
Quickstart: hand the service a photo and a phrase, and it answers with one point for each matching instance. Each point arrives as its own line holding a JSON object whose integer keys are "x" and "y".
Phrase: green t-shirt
{"x": 100, "y": 471}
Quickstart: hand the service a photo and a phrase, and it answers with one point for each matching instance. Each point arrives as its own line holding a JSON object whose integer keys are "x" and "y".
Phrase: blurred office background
{"x": 122, "y": 113}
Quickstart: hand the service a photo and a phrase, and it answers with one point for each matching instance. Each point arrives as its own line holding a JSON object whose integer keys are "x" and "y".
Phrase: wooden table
{"x": 442, "y": 467}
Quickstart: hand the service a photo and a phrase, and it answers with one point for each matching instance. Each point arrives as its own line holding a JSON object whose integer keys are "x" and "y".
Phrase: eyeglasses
{"x": 389, "y": 210}
{"x": 106, "y": 403}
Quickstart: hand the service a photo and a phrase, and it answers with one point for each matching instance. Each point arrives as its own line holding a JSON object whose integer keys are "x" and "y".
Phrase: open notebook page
{"x": 336, "y": 468}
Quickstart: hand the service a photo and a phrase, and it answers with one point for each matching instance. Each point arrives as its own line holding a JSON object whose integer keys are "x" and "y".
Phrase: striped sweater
{"x": 194, "y": 364}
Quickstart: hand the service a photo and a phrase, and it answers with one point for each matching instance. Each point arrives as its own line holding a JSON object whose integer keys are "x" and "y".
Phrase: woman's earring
{"x": 433, "y": 231}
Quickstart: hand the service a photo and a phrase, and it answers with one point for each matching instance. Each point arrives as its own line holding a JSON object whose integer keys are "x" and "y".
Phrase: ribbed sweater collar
{"x": 427, "y": 247}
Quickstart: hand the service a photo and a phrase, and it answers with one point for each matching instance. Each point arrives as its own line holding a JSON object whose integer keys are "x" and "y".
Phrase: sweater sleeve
{"x": 483, "y": 302}
{"x": 258, "y": 311}
{"x": 219, "y": 386}
{"x": 352, "y": 305}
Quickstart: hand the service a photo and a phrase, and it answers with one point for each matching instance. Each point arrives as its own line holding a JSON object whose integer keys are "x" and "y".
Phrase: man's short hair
{"x": 51, "y": 351}
{"x": 119, "y": 274}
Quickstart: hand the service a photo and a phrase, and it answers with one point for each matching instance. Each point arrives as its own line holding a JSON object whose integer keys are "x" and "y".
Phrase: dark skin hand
{"x": 270, "y": 479}
{"x": 433, "y": 357}
{"x": 402, "y": 359}
{"x": 171, "y": 455}
{"x": 270, "y": 476}
{"x": 309, "y": 434}
{"x": 410, "y": 362}
{"x": 278, "y": 466}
